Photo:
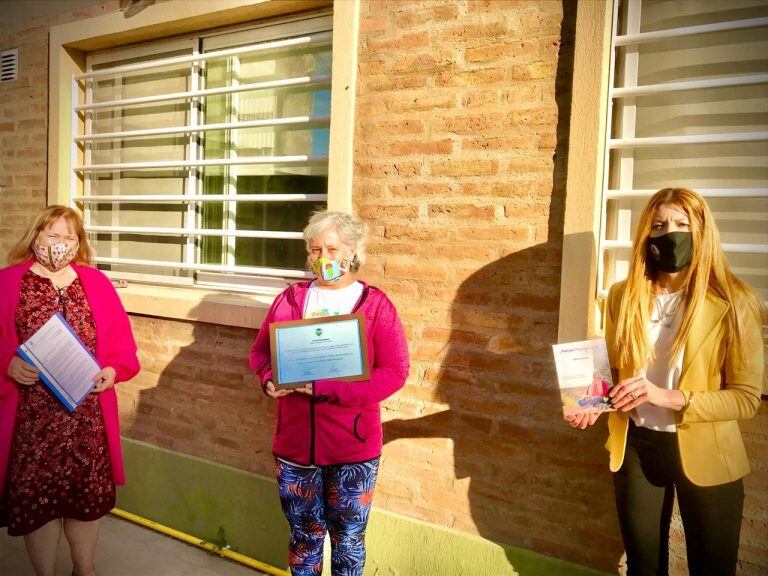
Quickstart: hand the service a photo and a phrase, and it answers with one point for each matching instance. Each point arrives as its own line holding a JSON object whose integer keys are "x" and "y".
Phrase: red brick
{"x": 480, "y": 98}
{"x": 437, "y": 13}
{"x": 373, "y": 24}
{"x": 501, "y": 143}
{"x": 471, "y": 32}
{"x": 419, "y": 101}
{"x": 388, "y": 82}
{"x": 404, "y": 42}
{"x": 419, "y": 190}
{"x": 413, "y": 147}
{"x": 424, "y": 63}
{"x": 461, "y": 211}
{"x": 470, "y": 123}
{"x": 478, "y": 167}
{"x": 483, "y": 77}
{"x": 533, "y": 71}
{"x": 517, "y": 51}
{"x": 385, "y": 212}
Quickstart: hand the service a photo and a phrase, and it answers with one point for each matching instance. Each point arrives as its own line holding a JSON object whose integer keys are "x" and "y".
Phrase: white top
{"x": 329, "y": 302}
{"x": 666, "y": 316}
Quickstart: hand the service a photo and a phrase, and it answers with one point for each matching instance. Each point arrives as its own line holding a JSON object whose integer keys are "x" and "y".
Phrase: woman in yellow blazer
{"x": 686, "y": 337}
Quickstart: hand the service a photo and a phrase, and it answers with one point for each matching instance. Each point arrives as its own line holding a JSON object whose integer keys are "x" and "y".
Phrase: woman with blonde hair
{"x": 686, "y": 336}
{"x": 58, "y": 470}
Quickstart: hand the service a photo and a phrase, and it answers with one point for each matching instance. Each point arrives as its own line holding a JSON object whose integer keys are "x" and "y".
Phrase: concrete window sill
{"x": 183, "y": 303}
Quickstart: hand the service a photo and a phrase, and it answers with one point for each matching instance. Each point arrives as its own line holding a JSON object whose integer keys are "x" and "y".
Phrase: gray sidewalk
{"x": 126, "y": 549}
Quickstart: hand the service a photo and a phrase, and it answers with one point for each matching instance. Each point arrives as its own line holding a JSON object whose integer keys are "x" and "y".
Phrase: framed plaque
{"x": 326, "y": 348}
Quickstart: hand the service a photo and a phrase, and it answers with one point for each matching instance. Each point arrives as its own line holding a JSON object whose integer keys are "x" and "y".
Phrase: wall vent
{"x": 9, "y": 65}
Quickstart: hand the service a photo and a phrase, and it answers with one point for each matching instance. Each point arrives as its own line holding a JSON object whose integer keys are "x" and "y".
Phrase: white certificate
{"x": 325, "y": 348}
{"x": 584, "y": 376}
{"x": 66, "y": 365}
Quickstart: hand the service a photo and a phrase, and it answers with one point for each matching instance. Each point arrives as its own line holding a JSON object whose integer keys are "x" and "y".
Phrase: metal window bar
{"x": 193, "y": 152}
{"x": 243, "y": 160}
{"x": 629, "y": 91}
{"x": 618, "y": 143}
{"x": 193, "y": 162}
{"x": 617, "y": 218}
{"x": 158, "y": 231}
{"x": 302, "y": 121}
{"x": 319, "y": 80}
{"x": 645, "y": 37}
{"x": 704, "y": 192}
{"x": 229, "y": 246}
{"x": 725, "y": 82}
{"x": 253, "y": 270}
{"x": 313, "y": 40}
{"x": 176, "y": 198}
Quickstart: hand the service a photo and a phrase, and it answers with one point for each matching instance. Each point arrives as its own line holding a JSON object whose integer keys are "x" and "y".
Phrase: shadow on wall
{"x": 206, "y": 400}
{"x": 533, "y": 482}
{"x": 197, "y": 395}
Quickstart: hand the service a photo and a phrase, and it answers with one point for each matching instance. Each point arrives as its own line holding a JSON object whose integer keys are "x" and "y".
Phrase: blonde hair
{"x": 708, "y": 273}
{"x": 352, "y": 230}
{"x": 22, "y": 250}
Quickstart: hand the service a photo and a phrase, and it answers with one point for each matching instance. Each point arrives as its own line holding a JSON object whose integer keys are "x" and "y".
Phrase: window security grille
{"x": 198, "y": 161}
{"x": 688, "y": 106}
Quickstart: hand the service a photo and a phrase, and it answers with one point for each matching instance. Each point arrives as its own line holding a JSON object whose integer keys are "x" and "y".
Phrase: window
{"x": 689, "y": 107}
{"x": 200, "y": 158}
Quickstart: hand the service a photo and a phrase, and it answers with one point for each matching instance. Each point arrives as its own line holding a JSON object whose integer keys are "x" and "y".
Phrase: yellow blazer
{"x": 708, "y": 436}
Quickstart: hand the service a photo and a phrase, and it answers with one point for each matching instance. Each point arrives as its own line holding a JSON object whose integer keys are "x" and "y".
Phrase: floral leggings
{"x": 336, "y": 499}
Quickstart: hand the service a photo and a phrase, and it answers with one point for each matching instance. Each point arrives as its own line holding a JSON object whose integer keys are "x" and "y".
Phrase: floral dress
{"x": 59, "y": 465}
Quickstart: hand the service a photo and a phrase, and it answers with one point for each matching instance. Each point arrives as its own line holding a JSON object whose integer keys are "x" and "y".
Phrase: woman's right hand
{"x": 272, "y": 392}
{"x": 582, "y": 420}
{"x": 22, "y": 372}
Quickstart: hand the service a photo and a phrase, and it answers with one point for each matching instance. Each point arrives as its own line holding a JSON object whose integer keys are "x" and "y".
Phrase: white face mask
{"x": 56, "y": 256}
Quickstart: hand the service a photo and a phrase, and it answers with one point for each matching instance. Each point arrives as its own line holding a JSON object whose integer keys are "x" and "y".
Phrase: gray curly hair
{"x": 352, "y": 230}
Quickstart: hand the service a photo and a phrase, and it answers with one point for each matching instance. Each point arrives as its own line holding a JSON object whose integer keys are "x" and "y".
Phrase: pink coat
{"x": 115, "y": 347}
{"x": 341, "y": 423}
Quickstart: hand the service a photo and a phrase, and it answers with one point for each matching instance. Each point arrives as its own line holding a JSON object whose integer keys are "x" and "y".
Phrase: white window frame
{"x": 302, "y": 30}
{"x": 615, "y": 220}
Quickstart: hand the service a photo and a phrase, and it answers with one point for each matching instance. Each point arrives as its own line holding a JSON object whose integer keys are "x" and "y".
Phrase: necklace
{"x": 665, "y": 313}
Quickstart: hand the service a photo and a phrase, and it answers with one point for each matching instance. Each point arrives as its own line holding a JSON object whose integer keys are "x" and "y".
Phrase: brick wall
{"x": 460, "y": 155}
{"x": 459, "y": 164}
{"x": 24, "y": 109}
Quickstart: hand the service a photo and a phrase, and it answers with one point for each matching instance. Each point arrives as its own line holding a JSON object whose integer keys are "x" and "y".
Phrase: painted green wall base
{"x": 211, "y": 501}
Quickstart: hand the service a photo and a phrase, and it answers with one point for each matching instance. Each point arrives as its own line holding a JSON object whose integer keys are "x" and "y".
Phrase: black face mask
{"x": 670, "y": 252}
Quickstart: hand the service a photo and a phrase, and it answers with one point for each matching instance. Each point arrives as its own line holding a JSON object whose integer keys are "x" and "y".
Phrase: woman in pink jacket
{"x": 328, "y": 435}
{"x": 58, "y": 470}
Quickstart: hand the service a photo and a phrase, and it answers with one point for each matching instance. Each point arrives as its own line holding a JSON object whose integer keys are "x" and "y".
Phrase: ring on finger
{"x": 633, "y": 395}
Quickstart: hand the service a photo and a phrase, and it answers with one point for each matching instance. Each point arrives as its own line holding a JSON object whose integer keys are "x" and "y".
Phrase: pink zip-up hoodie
{"x": 115, "y": 347}
{"x": 341, "y": 422}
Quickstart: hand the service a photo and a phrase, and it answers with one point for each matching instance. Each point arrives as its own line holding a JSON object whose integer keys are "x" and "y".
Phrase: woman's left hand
{"x": 632, "y": 392}
{"x": 104, "y": 380}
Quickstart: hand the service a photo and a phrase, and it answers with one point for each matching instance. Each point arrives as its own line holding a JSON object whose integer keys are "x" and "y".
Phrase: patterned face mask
{"x": 56, "y": 256}
{"x": 330, "y": 270}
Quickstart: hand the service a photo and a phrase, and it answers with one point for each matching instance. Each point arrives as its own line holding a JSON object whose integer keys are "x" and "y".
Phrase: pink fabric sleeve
{"x": 119, "y": 350}
{"x": 9, "y": 293}
{"x": 261, "y": 357}
{"x": 6, "y": 384}
{"x": 390, "y": 365}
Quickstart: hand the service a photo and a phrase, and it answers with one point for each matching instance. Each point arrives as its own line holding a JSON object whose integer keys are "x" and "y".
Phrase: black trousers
{"x": 645, "y": 487}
